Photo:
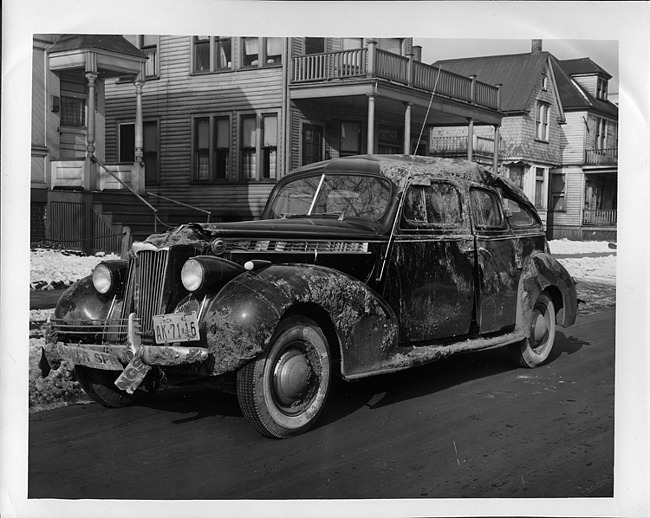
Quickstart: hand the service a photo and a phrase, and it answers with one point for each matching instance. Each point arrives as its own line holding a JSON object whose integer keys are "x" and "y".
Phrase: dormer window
{"x": 601, "y": 89}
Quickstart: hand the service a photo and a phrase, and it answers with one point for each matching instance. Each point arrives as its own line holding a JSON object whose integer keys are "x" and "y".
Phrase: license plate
{"x": 132, "y": 375}
{"x": 175, "y": 327}
{"x": 89, "y": 357}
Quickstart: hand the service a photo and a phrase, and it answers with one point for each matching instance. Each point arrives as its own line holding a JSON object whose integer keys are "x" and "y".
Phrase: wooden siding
{"x": 178, "y": 95}
{"x": 574, "y": 188}
{"x": 573, "y": 140}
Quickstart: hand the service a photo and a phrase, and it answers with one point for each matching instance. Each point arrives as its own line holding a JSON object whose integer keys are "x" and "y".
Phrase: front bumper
{"x": 132, "y": 358}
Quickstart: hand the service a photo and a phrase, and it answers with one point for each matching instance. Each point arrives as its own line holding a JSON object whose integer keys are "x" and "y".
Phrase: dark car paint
{"x": 465, "y": 292}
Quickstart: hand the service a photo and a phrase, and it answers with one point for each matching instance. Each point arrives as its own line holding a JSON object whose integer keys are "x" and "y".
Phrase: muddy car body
{"x": 359, "y": 266}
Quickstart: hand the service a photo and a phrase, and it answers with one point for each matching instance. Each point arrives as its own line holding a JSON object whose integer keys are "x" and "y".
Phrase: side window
{"x": 486, "y": 210}
{"x": 519, "y": 216}
{"x": 434, "y": 206}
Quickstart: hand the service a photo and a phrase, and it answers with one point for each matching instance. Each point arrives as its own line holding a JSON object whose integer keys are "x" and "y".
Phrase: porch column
{"x": 371, "y": 125}
{"x": 495, "y": 158}
{"x": 407, "y": 128}
{"x": 139, "y": 133}
{"x": 90, "y": 137}
{"x": 470, "y": 139}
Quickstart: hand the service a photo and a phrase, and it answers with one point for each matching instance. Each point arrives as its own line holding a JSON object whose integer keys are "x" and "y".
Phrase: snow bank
{"x": 50, "y": 269}
{"x": 564, "y": 246}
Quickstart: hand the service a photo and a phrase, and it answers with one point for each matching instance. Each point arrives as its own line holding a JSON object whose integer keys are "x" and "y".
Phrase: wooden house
{"x": 558, "y": 137}
{"x": 206, "y": 124}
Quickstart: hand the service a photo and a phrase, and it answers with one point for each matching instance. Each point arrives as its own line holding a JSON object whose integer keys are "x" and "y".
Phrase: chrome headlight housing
{"x": 108, "y": 276}
{"x": 205, "y": 272}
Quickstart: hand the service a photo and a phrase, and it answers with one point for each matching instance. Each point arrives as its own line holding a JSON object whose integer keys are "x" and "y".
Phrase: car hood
{"x": 288, "y": 228}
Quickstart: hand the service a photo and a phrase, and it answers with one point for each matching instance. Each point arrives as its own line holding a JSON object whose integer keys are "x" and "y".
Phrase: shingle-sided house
{"x": 558, "y": 137}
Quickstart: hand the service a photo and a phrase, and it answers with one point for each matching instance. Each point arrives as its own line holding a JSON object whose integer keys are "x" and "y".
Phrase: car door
{"x": 498, "y": 262}
{"x": 432, "y": 264}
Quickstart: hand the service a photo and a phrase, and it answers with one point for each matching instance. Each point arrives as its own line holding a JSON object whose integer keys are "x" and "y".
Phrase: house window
{"x": 314, "y": 45}
{"x": 211, "y": 53}
{"x": 261, "y": 51}
{"x": 601, "y": 134}
{"x": 541, "y": 121}
{"x": 259, "y": 156}
{"x": 150, "y": 153}
{"x": 601, "y": 89}
{"x": 544, "y": 82}
{"x": 148, "y": 44}
{"x": 269, "y": 146}
{"x": 558, "y": 192}
{"x": 73, "y": 111}
{"x": 211, "y": 148}
{"x": 539, "y": 187}
{"x": 350, "y": 138}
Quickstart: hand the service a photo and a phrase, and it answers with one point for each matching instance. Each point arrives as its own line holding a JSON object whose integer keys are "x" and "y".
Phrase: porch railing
{"x": 599, "y": 217}
{"x": 601, "y": 156}
{"x": 454, "y": 146}
{"x": 373, "y": 62}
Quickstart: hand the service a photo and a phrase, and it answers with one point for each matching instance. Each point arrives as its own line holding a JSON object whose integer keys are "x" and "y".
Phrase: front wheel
{"x": 534, "y": 350}
{"x": 283, "y": 391}
{"x": 100, "y": 387}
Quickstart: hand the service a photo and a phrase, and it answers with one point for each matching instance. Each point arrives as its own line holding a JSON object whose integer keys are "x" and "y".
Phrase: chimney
{"x": 536, "y": 47}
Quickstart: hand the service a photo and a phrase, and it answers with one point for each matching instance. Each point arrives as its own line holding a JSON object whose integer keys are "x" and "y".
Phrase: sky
{"x": 602, "y": 52}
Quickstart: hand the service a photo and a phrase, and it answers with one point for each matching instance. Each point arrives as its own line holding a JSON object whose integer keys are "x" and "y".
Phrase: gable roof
{"x": 573, "y": 96}
{"x": 517, "y": 73}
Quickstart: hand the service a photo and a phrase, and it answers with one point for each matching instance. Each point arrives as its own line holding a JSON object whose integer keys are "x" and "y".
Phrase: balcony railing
{"x": 455, "y": 146}
{"x": 601, "y": 156}
{"x": 599, "y": 217}
{"x": 373, "y": 62}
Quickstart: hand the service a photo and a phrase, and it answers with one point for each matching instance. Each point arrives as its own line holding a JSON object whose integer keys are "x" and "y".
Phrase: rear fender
{"x": 542, "y": 272}
{"x": 241, "y": 319}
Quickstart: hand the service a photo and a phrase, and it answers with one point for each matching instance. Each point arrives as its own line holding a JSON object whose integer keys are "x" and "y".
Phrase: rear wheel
{"x": 283, "y": 391}
{"x": 100, "y": 387}
{"x": 534, "y": 350}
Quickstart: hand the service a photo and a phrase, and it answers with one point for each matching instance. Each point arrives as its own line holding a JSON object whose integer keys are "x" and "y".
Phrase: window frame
{"x": 557, "y": 194}
{"x": 213, "y": 149}
{"x": 145, "y": 151}
{"x": 602, "y": 87}
{"x": 346, "y": 152}
{"x": 542, "y": 119}
{"x": 541, "y": 203}
{"x": 601, "y": 133}
{"x": 259, "y": 147}
{"x": 138, "y": 40}
{"x": 408, "y": 224}
{"x": 211, "y": 43}
{"x": 496, "y": 203}
{"x": 262, "y": 52}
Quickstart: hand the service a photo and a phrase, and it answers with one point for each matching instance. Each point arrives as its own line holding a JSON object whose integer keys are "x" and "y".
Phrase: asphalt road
{"x": 469, "y": 426}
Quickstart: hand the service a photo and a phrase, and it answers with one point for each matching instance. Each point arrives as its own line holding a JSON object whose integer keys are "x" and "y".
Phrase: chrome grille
{"x": 145, "y": 287}
{"x": 298, "y": 246}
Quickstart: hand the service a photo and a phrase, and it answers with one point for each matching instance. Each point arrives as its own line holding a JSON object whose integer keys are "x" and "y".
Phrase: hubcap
{"x": 540, "y": 328}
{"x": 291, "y": 377}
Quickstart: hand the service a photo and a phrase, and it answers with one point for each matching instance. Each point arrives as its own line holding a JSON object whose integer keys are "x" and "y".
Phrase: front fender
{"x": 540, "y": 272}
{"x": 241, "y": 319}
{"x": 81, "y": 302}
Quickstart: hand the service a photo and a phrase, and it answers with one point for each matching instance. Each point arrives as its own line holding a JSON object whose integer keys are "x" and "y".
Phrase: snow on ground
{"x": 51, "y": 269}
{"x": 55, "y": 269}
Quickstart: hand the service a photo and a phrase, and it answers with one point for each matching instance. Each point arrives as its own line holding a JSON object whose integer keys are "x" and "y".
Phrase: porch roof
{"x": 108, "y": 55}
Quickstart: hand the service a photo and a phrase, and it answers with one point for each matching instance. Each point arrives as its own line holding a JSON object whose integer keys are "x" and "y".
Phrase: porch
{"x": 395, "y": 91}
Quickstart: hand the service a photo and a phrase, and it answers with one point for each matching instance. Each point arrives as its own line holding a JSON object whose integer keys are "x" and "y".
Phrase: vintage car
{"x": 359, "y": 266}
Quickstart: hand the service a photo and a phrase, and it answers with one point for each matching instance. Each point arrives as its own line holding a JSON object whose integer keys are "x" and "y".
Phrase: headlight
{"x": 192, "y": 275}
{"x": 108, "y": 276}
{"x": 205, "y": 272}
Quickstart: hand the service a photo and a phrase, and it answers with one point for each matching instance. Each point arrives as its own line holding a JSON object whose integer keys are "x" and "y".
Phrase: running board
{"x": 412, "y": 356}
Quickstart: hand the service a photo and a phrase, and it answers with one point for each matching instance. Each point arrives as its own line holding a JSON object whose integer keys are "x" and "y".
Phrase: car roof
{"x": 404, "y": 169}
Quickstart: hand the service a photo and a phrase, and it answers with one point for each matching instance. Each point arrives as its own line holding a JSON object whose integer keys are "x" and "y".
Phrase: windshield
{"x": 343, "y": 196}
